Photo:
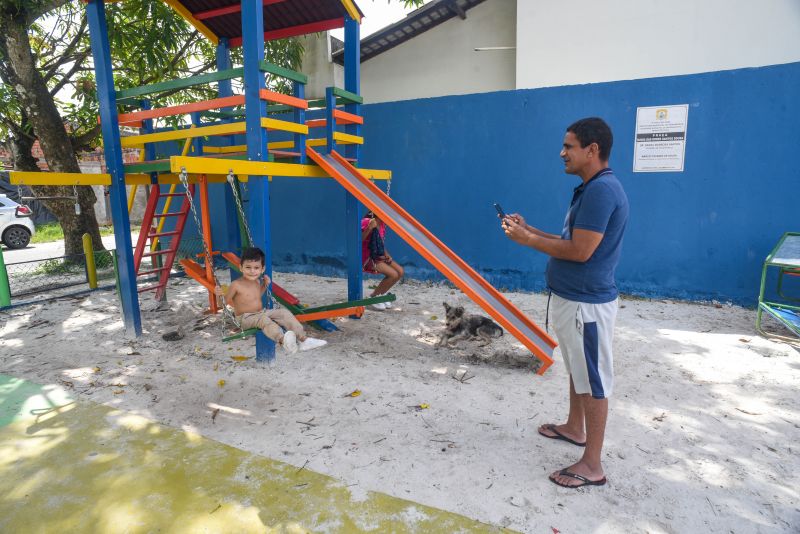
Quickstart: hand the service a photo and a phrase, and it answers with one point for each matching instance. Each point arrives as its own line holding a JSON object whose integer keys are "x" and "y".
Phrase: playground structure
{"x": 211, "y": 158}
{"x": 784, "y": 306}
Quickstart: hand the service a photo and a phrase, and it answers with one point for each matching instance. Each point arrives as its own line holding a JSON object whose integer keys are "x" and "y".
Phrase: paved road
{"x": 53, "y": 249}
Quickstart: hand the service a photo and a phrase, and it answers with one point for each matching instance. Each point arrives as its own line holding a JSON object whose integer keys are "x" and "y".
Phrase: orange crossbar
{"x": 358, "y": 311}
{"x": 193, "y": 269}
{"x": 342, "y": 117}
{"x": 204, "y": 105}
{"x": 280, "y": 98}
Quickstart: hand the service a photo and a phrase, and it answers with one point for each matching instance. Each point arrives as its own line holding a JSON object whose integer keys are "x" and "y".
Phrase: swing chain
{"x": 238, "y": 201}
{"x": 389, "y": 188}
{"x": 226, "y": 313}
{"x": 235, "y": 190}
{"x": 77, "y": 201}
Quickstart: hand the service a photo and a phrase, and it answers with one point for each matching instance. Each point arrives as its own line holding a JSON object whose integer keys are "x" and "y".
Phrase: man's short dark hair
{"x": 593, "y": 130}
{"x": 253, "y": 253}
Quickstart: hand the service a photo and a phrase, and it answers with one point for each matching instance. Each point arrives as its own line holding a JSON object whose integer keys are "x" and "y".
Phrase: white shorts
{"x": 584, "y": 333}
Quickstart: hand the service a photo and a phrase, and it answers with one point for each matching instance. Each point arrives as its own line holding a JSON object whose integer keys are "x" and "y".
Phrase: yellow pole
{"x": 132, "y": 197}
{"x": 91, "y": 268}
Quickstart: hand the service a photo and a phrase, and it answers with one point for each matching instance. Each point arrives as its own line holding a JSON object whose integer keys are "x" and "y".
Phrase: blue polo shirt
{"x": 599, "y": 205}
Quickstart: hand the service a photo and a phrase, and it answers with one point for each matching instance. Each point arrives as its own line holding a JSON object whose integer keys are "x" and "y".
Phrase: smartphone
{"x": 499, "y": 210}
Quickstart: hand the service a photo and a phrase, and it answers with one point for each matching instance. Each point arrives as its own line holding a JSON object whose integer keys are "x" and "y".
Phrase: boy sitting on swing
{"x": 245, "y": 295}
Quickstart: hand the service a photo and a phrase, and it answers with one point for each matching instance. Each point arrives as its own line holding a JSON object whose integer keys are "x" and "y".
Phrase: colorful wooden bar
{"x": 280, "y": 98}
{"x": 285, "y": 126}
{"x": 58, "y": 178}
{"x": 347, "y": 95}
{"x": 128, "y": 119}
{"x": 228, "y": 10}
{"x": 180, "y": 83}
{"x": 216, "y": 166}
{"x": 342, "y": 117}
{"x": 283, "y": 72}
{"x": 172, "y": 135}
{"x": 351, "y": 9}
{"x": 292, "y": 31}
{"x": 188, "y": 17}
{"x": 388, "y": 297}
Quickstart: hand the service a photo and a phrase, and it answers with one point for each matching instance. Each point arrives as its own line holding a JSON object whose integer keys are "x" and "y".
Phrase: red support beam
{"x": 302, "y": 29}
{"x": 220, "y": 11}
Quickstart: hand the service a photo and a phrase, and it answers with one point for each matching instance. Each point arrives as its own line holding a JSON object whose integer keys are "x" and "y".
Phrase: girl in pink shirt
{"x": 376, "y": 258}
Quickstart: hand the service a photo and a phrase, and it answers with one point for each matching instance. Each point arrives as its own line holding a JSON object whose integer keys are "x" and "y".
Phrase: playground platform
{"x": 70, "y": 465}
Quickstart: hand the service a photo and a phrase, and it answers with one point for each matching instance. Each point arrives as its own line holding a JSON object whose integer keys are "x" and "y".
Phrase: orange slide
{"x": 441, "y": 257}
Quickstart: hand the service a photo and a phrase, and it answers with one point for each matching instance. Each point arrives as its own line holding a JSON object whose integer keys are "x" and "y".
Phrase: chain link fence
{"x": 47, "y": 278}
{"x": 50, "y": 277}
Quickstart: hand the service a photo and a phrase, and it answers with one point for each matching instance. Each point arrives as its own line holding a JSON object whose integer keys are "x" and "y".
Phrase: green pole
{"x": 5, "y": 289}
{"x": 91, "y": 267}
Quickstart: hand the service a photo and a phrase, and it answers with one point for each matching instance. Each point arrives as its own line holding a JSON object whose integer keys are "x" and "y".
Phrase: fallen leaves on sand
{"x": 354, "y": 393}
{"x": 240, "y": 358}
{"x": 221, "y": 383}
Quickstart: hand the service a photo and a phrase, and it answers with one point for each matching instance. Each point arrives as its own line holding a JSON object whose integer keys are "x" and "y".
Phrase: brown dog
{"x": 461, "y": 325}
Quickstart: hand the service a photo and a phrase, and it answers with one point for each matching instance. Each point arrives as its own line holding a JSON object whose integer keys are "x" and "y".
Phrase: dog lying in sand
{"x": 461, "y": 325}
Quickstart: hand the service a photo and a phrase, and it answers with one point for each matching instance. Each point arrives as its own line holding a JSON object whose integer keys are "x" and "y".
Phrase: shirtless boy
{"x": 245, "y": 295}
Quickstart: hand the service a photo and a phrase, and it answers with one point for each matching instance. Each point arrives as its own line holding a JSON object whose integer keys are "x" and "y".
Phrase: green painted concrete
{"x": 69, "y": 465}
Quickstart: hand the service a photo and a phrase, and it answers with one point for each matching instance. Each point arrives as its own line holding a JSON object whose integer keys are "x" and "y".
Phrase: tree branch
{"x": 76, "y": 66}
{"x": 85, "y": 139}
{"x": 45, "y": 7}
{"x": 67, "y": 53}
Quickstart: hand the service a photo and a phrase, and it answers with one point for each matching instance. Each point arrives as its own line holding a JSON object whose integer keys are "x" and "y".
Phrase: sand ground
{"x": 702, "y": 436}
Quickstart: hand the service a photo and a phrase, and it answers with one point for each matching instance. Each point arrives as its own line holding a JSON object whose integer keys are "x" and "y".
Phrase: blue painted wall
{"x": 699, "y": 234}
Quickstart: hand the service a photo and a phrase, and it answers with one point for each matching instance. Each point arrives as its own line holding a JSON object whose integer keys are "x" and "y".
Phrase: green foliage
{"x": 149, "y": 43}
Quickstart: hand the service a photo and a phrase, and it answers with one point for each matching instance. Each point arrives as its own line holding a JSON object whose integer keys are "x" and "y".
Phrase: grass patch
{"x": 58, "y": 266}
{"x": 49, "y": 232}
{"x": 46, "y": 233}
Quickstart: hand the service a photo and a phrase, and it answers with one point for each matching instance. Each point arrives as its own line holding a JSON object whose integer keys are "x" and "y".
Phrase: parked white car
{"x": 16, "y": 225}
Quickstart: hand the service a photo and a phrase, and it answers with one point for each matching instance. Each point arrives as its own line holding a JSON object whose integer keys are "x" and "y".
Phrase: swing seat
{"x": 358, "y": 311}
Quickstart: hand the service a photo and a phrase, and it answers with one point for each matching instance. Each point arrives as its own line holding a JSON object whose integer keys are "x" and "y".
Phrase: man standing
{"x": 580, "y": 276}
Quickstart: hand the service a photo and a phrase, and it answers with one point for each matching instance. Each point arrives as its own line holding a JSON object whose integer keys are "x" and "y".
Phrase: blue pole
{"x": 330, "y": 124}
{"x": 255, "y": 109}
{"x": 233, "y": 239}
{"x": 300, "y": 118}
{"x": 104, "y": 75}
{"x": 352, "y": 83}
{"x": 149, "y": 148}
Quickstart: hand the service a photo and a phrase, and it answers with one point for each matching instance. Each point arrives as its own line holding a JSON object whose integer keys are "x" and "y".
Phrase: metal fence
{"x": 48, "y": 278}
{"x": 49, "y": 275}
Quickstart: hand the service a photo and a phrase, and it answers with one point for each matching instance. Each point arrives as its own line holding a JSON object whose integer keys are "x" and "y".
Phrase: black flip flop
{"x": 559, "y": 435}
{"x": 584, "y": 481}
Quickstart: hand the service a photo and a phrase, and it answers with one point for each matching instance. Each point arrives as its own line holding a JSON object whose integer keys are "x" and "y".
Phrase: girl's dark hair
{"x": 253, "y": 253}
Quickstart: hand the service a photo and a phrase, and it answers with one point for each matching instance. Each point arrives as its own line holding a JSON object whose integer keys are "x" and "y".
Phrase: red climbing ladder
{"x": 168, "y": 241}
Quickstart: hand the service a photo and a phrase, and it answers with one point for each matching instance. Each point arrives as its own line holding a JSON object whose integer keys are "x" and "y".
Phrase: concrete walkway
{"x": 69, "y": 465}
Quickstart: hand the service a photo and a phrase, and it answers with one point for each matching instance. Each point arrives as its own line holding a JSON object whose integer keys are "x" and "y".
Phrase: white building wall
{"x": 317, "y": 64}
{"x": 586, "y": 41}
{"x": 443, "y": 60}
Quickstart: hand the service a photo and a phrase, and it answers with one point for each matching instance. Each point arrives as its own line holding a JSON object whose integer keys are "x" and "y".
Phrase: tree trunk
{"x": 20, "y": 146}
{"x": 48, "y": 125}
